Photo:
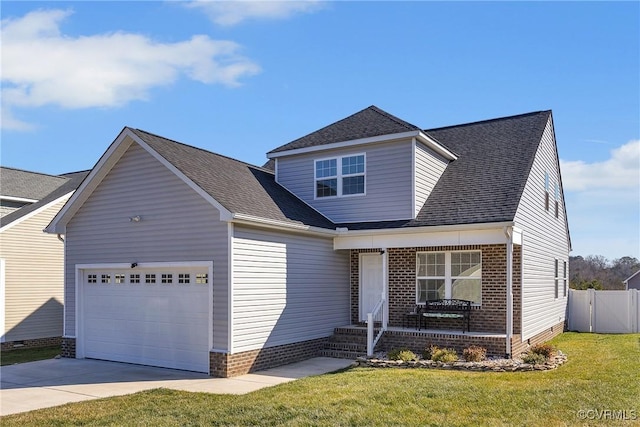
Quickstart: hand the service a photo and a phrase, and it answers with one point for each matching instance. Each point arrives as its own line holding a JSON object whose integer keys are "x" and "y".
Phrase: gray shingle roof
{"x": 66, "y": 184}
{"x": 238, "y": 186}
{"x": 486, "y": 182}
{"x": 27, "y": 185}
{"x": 367, "y": 123}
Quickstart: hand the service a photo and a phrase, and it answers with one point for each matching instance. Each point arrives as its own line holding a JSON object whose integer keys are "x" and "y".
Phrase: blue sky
{"x": 242, "y": 78}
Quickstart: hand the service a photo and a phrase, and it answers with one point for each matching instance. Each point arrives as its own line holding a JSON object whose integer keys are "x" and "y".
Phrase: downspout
{"x": 60, "y": 237}
{"x": 508, "y": 232}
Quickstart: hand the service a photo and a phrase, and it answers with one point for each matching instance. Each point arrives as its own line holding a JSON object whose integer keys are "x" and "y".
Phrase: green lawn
{"x": 602, "y": 374}
{"x": 28, "y": 355}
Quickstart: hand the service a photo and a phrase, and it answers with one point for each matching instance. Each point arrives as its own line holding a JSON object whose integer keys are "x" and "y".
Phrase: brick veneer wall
{"x": 225, "y": 365}
{"x": 418, "y": 342}
{"x": 489, "y": 317}
{"x": 34, "y": 343}
{"x": 519, "y": 347}
{"x": 68, "y": 348}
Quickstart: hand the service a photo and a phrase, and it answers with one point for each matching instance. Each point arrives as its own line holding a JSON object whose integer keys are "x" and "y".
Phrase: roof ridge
{"x": 489, "y": 120}
{"x": 206, "y": 151}
{"x": 394, "y": 118}
{"x": 34, "y": 173}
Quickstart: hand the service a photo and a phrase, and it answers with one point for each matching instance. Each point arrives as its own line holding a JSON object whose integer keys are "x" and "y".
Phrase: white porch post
{"x": 509, "y": 233}
{"x": 385, "y": 288}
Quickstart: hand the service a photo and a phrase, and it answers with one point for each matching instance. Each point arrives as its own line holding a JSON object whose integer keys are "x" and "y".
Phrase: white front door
{"x": 371, "y": 283}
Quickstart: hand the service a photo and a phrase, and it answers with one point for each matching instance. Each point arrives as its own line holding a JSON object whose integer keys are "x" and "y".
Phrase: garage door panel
{"x": 160, "y": 333}
{"x": 150, "y": 355}
{"x": 158, "y": 324}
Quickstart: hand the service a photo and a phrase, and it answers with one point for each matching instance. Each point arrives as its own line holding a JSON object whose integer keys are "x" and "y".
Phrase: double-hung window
{"x": 340, "y": 176}
{"x": 445, "y": 275}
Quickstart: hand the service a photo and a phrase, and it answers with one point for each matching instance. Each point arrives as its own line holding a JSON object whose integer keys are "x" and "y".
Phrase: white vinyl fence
{"x": 604, "y": 311}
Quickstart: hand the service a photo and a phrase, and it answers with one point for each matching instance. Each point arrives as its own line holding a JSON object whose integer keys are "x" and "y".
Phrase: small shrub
{"x": 403, "y": 354}
{"x": 534, "y": 358}
{"x": 474, "y": 353}
{"x": 545, "y": 350}
{"x": 428, "y": 351}
{"x": 445, "y": 355}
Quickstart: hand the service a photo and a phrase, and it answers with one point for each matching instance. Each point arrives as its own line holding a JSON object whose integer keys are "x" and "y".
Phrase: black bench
{"x": 447, "y": 309}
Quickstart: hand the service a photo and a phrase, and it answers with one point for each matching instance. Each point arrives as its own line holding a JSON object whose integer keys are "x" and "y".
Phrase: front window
{"x": 445, "y": 275}
{"x": 345, "y": 180}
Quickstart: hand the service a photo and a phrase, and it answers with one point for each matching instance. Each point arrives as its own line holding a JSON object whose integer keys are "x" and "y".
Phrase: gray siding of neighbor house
{"x": 286, "y": 288}
{"x": 429, "y": 168}
{"x": 387, "y": 183}
{"x": 545, "y": 238}
{"x": 177, "y": 225}
{"x": 634, "y": 282}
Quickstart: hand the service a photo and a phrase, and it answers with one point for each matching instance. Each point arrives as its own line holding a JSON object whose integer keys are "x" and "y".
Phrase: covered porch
{"x": 390, "y": 278}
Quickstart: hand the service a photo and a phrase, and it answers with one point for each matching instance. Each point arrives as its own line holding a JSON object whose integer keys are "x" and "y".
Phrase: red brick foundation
{"x": 225, "y": 365}
{"x": 68, "y": 348}
{"x": 419, "y": 341}
{"x": 34, "y": 343}
{"x": 519, "y": 347}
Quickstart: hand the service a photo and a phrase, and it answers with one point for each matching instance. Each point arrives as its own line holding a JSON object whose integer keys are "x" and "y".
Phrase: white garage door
{"x": 155, "y": 316}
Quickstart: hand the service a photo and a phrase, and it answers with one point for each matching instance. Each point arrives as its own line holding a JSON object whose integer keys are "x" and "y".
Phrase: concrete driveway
{"x": 28, "y": 386}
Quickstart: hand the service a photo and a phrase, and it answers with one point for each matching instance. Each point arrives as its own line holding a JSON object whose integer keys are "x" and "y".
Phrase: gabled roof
{"x": 631, "y": 277}
{"x": 27, "y": 185}
{"x": 240, "y": 187}
{"x": 239, "y": 190}
{"x": 482, "y": 185}
{"x": 367, "y": 123}
{"x": 485, "y": 183}
{"x": 67, "y": 183}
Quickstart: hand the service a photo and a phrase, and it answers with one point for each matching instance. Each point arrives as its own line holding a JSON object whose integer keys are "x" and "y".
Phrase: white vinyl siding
{"x": 429, "y": 168}
{"x": 545, "y": 238}
{"x": 388, "y": 183}
{"x": 287, "y": 288}
{"x": 34, "y": 278}
{"x": 176, "y": 225}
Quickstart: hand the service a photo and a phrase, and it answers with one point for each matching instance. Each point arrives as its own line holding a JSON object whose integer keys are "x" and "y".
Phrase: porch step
{"x": 346, "y": 343}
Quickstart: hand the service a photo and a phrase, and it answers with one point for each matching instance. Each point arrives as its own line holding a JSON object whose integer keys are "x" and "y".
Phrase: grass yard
{"x": 602, "y": 374}
{"x": 28, "y": 355}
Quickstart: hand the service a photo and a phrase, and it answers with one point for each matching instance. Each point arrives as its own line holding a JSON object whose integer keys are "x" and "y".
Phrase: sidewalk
{"x": 28, "y": 386}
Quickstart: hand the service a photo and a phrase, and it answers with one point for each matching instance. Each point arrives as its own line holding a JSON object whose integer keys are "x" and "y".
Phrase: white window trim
{"x": 448, "y": 278}
{"x": 338, "y": 177}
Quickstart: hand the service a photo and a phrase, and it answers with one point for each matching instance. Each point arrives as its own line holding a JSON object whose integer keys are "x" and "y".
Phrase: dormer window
{"x": 340, "y": 176}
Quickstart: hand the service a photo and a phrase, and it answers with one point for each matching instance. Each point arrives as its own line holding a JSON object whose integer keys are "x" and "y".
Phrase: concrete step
{"x": 346, "y": 346}
{"x": 342, "y": 354}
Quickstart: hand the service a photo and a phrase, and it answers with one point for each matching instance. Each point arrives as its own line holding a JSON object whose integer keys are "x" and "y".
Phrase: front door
{"x": 371, "y": 283}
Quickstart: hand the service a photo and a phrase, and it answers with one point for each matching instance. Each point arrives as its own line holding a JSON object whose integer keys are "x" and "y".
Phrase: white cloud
{"x": 42, "y": 66}
{"x": 620, "y": 171}
{"x": 603, "y": 203}
{"x": 228, "y": 13}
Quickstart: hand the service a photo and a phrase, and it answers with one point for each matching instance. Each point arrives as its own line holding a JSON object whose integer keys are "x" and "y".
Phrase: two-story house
{"x": 179, "y": 257}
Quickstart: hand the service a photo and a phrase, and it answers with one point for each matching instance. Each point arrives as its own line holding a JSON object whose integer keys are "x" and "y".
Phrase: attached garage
{"x": 157, "y": 315}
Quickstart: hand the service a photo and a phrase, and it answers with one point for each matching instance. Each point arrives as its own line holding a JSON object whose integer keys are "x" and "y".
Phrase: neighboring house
{"x": 633, "y": 282}
{"x": 179, "y": 257}
{"x": 31, "y": 261}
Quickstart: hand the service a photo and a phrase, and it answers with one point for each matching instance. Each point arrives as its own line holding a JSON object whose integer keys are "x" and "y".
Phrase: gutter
{"x": 238, "y": 218}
